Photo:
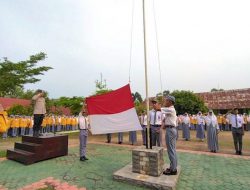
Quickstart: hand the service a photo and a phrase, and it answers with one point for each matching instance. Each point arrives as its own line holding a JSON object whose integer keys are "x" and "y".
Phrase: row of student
{"x": 223, "y": 121}
{"x": 18, "y": 125}
{"x": 209, "y": 120}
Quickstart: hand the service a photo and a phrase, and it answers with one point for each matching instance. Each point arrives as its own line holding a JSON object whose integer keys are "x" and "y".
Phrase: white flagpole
{"x": 146, "y": 73}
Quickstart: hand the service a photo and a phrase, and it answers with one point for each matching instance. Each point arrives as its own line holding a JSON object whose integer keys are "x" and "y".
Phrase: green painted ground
{"x": 198, "y": 171}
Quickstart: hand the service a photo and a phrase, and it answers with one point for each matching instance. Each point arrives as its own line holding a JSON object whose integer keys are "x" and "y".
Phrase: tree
{"x": 166, "y": 92}
{"x": 16, "y": 75}
{"x": 19, "y": 92}
{"x": 137, "y": 97}
{"x": 187, "y": 101}
{"x": 20, "y": 110}
{"x": 74, "y": 104}
{"x": 160, "y": 96}
{"x": 101, "y": 87}
{"x": 216, "y": 90}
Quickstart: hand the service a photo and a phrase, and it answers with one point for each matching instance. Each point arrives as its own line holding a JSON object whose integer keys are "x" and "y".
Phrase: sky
{"x": 201, "y": 44}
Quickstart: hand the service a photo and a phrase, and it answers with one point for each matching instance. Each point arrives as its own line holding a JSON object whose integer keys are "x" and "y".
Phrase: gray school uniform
{"x": 237, "y": 130}
{"x": 83, "y": 135}
{"x": 185, "y": 128}
{"x": 212, "y": 138}
{"x": 155, "y": 125}
{"x": 120, "y": 137}
{"x": 170, "y": 119}
{"x": 200, "y": 130}
{"x": 132, "y": 137}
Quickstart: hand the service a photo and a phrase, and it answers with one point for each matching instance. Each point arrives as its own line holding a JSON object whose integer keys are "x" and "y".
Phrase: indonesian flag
{"x": 112, "y": 112}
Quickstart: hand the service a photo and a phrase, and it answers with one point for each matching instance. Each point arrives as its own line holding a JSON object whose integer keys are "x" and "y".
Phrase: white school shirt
{"x": 200, "y": 119}
{"x": 232, "y": 120}
{"x": 170, "y": 117}
{"x": 143, "y": 120}
{"x": 83, "y": 123}
{"x": 186, "y": 120}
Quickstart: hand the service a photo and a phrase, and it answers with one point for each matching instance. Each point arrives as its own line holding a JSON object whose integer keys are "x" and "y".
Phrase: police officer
{"x": 83, "y": 135}
{"x": 171, "y": 133}
{"x": 39, "y": 111}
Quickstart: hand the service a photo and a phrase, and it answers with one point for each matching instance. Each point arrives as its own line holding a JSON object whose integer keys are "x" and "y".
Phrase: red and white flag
{"x": 112, "y": 112}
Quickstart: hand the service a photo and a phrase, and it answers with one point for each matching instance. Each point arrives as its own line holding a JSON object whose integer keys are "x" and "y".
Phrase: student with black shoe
{"x": 169, "y": 120}
{"x": 83, "y": 135}
{"x": 237, "y": 129}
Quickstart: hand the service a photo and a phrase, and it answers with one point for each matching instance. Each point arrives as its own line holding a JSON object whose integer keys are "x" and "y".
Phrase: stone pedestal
{"x": 148, "y": 161}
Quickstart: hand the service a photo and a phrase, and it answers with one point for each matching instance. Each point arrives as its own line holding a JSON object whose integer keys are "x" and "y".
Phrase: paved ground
{"x": 199, "y": 171}
{"x": 225, "y": 142}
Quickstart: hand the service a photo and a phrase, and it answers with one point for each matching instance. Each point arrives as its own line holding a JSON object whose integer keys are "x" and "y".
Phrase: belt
{"x": 156, "y": 125}
{"x": 169, "y": 126}
{"x": 237, "y": 127}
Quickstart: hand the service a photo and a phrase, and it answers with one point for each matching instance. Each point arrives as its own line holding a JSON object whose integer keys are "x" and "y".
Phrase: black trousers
{"x": 38, "y": 119}
{"x": 237, "y": 136}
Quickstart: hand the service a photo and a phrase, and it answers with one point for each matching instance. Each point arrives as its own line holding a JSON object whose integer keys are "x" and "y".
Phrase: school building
{"x": 222, "y": 101}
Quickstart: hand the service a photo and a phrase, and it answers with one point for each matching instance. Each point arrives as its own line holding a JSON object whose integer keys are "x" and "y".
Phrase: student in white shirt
{"x": 237, "y": 129}
{"x": 83, "y": 135}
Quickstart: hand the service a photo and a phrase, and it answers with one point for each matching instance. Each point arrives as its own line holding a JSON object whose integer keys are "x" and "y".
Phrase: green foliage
{"x": 140, "y": 107}
{"x": 20, "y": 110}
{"x": 74, "y": 104}
{"x": 137, "y": 97}
{"x": 19, "y": 92}
{"x": 101, "y": 87}
{"x": 15, "y": 75}
{"x": 3, "y": 153}
{"x": 187, "y": 101}
{"x": 160, "y": 96}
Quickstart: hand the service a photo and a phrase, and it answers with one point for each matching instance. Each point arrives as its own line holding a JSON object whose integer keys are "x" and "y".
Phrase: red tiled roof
{"x": 227, "y": 99}
{"x": 9, "y": 102}
{"x": 63, "y": 110}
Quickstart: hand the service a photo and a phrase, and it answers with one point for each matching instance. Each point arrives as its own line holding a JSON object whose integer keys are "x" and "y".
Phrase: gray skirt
{"x": 212, "y": 138}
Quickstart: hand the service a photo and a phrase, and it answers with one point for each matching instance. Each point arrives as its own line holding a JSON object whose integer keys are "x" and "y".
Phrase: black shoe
{"x": 240, "y": 153}
{"x": 167, "y": 169}
{"x": 107, "y": 141}
{"x": 83, "y": 158}
{"x": 119, "y": 142}
{"x": 237, "y": 152}
{"x": 170, "y": 172}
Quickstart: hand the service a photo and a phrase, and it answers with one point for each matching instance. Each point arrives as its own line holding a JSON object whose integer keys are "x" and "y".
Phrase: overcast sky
{"x": 203, "y": 44}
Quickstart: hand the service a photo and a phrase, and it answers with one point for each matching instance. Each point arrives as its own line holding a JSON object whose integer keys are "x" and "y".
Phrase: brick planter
{"x": 148, "y": 161}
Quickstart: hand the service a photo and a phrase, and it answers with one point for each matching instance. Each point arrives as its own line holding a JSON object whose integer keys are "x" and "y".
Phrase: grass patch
{"x": 3, "y": 153}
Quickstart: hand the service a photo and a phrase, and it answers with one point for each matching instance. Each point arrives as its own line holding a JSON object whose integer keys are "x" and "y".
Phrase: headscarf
{"x": 211, "y": 119}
